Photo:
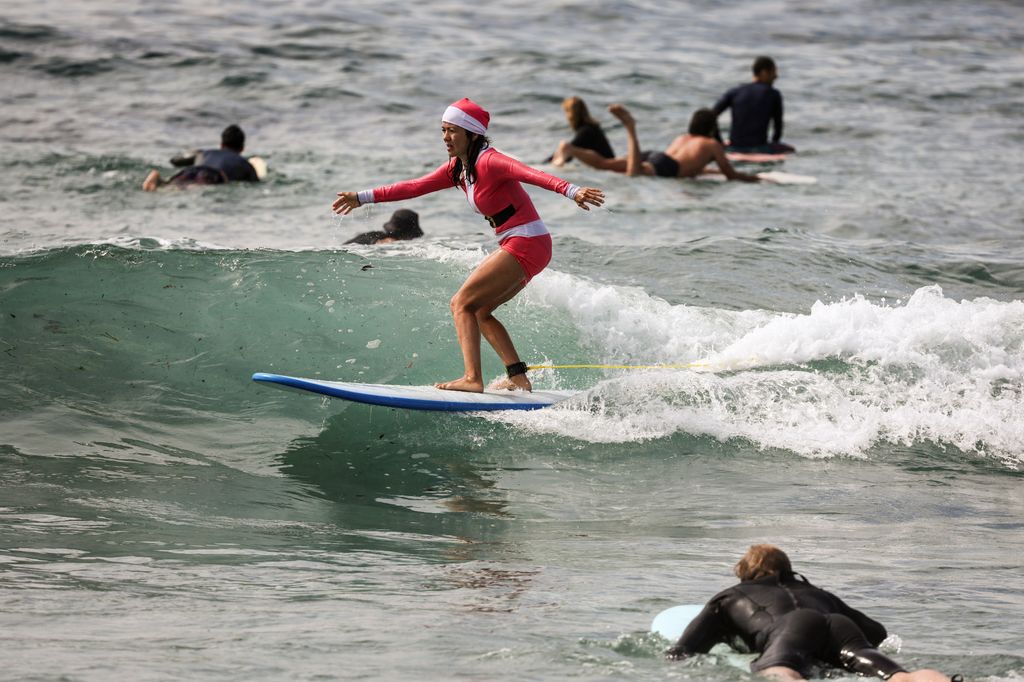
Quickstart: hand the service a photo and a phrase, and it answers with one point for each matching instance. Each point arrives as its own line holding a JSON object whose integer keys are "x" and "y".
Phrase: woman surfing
{"x": 491, "y": 182}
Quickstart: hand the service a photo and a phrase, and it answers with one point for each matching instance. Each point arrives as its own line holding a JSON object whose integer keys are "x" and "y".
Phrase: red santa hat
{"x": 467, "y": 114}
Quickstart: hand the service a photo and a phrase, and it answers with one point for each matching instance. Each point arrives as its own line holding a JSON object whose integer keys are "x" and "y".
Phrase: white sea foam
{"x": 632, "y": 327}
{"x": 835, "y": 381}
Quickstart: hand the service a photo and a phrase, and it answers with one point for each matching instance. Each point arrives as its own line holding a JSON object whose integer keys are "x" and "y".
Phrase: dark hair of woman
{"x": 476, "y": 144}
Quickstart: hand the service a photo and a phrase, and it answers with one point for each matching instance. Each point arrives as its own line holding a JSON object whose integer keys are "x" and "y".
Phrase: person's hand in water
{"x": 345, "y": 203}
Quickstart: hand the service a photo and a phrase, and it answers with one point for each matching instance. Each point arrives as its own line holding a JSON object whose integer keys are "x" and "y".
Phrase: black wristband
{"x": 516, "y": 369}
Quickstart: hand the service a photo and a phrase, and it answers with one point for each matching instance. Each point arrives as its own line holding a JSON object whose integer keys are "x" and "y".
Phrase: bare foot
{"x": 561, "y": 156}
{"x": 622, "y": 113}
{"x": 781, "y": 672}
{"x": 463, "y": 384}
{"x": 517, "y": 383}
{"x": 152, "y": 181}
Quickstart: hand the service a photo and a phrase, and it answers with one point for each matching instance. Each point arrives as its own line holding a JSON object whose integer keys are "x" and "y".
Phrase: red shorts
{"x": 533, "y": 253}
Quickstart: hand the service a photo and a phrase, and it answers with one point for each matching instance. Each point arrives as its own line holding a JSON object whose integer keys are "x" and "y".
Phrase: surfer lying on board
{"x": 792, "y": 624}
{"x": 686, "y": 157}
{"x": 491, "y": 182}
{"x": 209, "y": 166}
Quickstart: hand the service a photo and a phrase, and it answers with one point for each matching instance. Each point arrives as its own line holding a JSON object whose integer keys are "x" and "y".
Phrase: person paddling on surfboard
{"x": 212, "y": 166}
{"x": 792, "y": 624}
{"x": 491, "y": 182}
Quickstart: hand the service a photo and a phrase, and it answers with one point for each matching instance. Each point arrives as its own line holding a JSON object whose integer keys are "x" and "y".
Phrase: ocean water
{"x": 860, "y": 398}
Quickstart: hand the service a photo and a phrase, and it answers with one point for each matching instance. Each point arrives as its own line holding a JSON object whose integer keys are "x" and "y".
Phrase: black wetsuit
{"x": 790, "y": 623}
{"x": 214, "y": 167}
{"x": 592, "y": 137}
{"x": 754, "y": 106}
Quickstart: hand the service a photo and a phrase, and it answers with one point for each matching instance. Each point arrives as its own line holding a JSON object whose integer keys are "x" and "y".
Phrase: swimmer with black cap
{"x": 403, "y": 225}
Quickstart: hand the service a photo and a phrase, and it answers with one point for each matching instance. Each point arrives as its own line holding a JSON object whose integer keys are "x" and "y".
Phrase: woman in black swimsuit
{"x": 792, "y": 624}
{"x": 588, "y": 135}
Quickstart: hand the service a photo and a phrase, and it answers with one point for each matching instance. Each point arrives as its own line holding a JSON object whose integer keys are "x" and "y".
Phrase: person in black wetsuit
{"x": 587, "y": 134}
{"x": 403, "y": 225}
{"x": 755, "y": 105}
{"x": 792, "y": 624}
{"x": 209, "y": 166}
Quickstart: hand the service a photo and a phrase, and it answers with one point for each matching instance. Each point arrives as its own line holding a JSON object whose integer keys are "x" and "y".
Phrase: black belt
{"x": 501, "y": 217}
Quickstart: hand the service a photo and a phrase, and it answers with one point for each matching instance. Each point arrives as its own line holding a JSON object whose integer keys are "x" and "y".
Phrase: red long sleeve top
{"x": 497, "y": 187}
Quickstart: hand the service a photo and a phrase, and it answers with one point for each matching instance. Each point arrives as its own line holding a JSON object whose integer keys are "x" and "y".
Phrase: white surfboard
{"x": 258, "y": 165}
{"x": 755, "y": 157}
{"x": 671, "y": 623}
{"x": 419, "y": 397}
{"x": 777, "y": 177}
{"x": 783, "y": 178}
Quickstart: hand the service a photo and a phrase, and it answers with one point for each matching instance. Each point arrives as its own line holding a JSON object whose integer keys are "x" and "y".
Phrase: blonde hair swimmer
{"x": 792, "y": 624}
{"x": 587, "y": 135}
{"x": 492, "y": 184}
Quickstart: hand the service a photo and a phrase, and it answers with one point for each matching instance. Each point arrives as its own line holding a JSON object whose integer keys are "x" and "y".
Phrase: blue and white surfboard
{"x": 419, "y": 397}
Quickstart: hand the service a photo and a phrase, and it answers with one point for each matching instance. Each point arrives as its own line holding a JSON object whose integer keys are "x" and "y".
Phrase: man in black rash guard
{"x": 754, "y": 106}
{"x": 792, "y": 624}
{"x": 210, "y": 166}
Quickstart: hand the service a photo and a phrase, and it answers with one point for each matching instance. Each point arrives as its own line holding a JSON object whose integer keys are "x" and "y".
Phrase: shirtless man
{"x": 686, "y": 157}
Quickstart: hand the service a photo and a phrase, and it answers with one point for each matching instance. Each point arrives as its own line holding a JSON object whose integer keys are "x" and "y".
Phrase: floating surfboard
{"x": 783, "y": 178}
{"x": 670, "y": 623}
{"x": 419, "y": 397}
{"x": 778, "y": 177}
{"x": 258, "y": 165}
{"x": 755, "y": 157}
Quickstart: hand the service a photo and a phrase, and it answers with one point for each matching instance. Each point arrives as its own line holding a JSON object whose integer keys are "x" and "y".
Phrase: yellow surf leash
{"x": 688, "y": 365}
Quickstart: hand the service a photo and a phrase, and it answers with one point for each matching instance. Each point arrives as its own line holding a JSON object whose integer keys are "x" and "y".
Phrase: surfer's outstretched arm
{"x": 508, "y": 167}
{"x": 437, "y": 179}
